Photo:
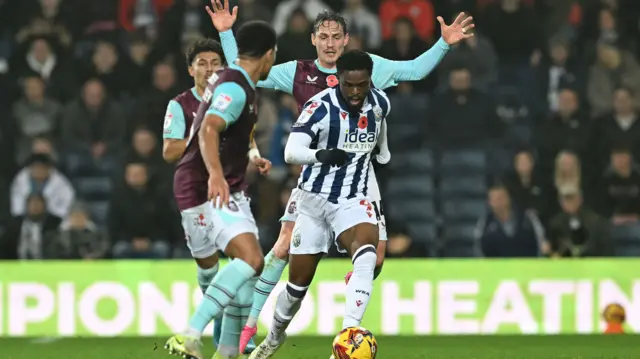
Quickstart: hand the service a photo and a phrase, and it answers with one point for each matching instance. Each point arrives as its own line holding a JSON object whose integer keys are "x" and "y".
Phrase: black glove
{"x": 332, "y": 156}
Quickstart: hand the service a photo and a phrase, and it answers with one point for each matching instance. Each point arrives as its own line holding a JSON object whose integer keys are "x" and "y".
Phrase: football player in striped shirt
{"x": 334, "y": 138}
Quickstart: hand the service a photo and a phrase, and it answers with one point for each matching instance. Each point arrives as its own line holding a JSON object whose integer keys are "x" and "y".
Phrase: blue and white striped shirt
{"x": 327, "y": 120}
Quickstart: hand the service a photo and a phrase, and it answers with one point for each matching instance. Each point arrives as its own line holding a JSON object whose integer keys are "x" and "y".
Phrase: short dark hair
{"x": 255, "y": 38}
{"x": 354, "y": 60}
{"x": 204, "y": 45}
{"x": 328, "y": 15}
{"x": 626, "y": 89}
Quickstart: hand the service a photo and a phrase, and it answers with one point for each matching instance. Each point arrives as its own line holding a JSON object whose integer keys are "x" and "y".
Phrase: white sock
{"x": 360, "y": 286}
{"x": 287, "y": 305}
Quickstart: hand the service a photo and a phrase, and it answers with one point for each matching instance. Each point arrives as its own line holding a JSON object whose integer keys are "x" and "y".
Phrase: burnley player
{"x": 334, "y": 139}
{"x": 305, "y": 78}
{"x": 204, "y": 58}
{"x": 209, "y": 187}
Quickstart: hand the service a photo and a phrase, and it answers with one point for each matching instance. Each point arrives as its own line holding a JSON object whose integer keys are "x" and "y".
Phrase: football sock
{"x": 273, "y": 268}
{"x": 205, "y": 276}
{"x": 360, "y": 285}
{"x": 287, "y": 305}
{"x": 219, "y": 294}
{"x": 235, "y": 315}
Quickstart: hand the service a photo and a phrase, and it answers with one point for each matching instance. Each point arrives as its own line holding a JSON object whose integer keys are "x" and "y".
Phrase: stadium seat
{"x": 99, "y": 211}
{"x": 459, "y": 249}
{"x": 415, "y": 161}
{"x": 500, "y": 159}
{"x": 412, "y": 210}
{"x": 626, "y": 239}
{"x": 469, "y": 209}
{"x": 465, "y": 231}
{"x": 474, "y": 161}
{"x": 463, "y": 186}
{"x": 411, "y": 187}
{"x": 93, "y": 188}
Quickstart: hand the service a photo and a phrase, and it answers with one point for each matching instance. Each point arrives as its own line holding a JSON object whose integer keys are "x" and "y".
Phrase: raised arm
{"x": 388, "y": 73}
{"x": 281, "y": 76}
{"x": 173, "y": 136}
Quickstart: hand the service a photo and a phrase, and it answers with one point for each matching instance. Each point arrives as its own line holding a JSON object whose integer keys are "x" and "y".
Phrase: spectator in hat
{"x": 41, "y": 177}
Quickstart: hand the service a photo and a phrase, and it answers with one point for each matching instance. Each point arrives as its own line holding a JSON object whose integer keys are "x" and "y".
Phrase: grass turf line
{"x": 458, "y": 347}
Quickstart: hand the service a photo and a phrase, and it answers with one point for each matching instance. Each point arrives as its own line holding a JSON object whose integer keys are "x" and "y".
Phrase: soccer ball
{"x": 355, "y": 343}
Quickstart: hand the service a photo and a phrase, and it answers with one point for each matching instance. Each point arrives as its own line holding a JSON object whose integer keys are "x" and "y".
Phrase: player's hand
{"x": 263, "y": 164}
{"x": 218, "y": 187}
{"x": 458, "y": 30}
{"x": 220, "y": 16}
{"x": 332, "y": 156}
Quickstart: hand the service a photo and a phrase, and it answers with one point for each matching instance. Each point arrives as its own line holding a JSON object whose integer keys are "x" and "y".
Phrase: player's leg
{"x": 381, "y": 249}
{"x": 232, "y": 231}
{"x": 275, "y": 263}
{"x": 356, "y": 230}
{"x": 309, "y": 243}
{"x": 234, "y": 317}
{"x": 204, "y": 252}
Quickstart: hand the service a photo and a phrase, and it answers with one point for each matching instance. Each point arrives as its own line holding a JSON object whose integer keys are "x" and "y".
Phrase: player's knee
{"x": 365, "y": 235}
{"x": 281, "y": 248}
{"x": 256, "y": 261}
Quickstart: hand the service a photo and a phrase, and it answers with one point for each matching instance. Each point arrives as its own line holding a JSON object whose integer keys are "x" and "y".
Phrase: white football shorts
{"x": 291, "y": 211}
{"x": 320, "y": 222}
{"x": 208, "y": 229}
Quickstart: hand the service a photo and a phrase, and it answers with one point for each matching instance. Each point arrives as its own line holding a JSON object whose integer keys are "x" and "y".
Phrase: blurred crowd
{"x": 521, "y": 143}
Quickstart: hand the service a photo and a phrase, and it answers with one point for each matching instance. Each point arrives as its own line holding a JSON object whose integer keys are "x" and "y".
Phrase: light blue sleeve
{"x": 229, "y": 46}
{"x": 387, "y": 73}
{"x": 228, "y": 102}
{"x": 281, "y": 76}
{"x": 174, "y": 123}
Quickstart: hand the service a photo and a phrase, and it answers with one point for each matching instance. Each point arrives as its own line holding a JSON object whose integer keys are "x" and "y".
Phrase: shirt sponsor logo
{"x": 222, "y": 102}
{"x": 359, "y": 141}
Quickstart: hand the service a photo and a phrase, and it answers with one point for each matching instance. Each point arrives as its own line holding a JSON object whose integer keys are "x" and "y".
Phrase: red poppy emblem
{"x": 332, "y": 80}
{"x": 363, "y": 123}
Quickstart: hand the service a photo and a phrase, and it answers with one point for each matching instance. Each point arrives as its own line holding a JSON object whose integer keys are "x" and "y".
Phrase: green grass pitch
{"x": 461, "y": 347}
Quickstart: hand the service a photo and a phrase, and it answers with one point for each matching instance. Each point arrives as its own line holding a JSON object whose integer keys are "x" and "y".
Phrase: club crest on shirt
{"x": 306, "y": 114}
{"x": 168, "y": 118}
{"x": 377, "y": 111}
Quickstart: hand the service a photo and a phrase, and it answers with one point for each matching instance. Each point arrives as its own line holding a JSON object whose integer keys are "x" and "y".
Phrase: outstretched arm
{"x": 388, "y": 73}
{"x": 280, "y": 77}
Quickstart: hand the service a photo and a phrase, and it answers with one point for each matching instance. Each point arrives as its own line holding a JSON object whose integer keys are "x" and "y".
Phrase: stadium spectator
{"x": 111, "y": 69}
{"x": 406, "y": 45}
{"x": 364, "y": 23}
{"x": 507, "y": 231}
{"x": 462, "y": 116}
{"x": 478, "y": 55}
{"x": 420, "y": 12}
{"x": 253, "y": 10}
{"x": 139, "y": 54}
{"x": 620, "y": 127}
{"x": 614, "y": 67}
{"x": 152, "y": 102}
{"x": 36, "y": 115}
{"x": 41, "y": 177}
{"x": 28, "y": 231}
{"x": 184, "y": 21}
{"x": 527, "y": 185}
{"x": 51, "y": 67}
{"x": 521, "y": 45}
{"x": 40, "y": 145}
{"x": 621, "y": 186}
{"x": 578, "y": 231}
{"x": 94, "y": 124}
{"x": 285, "y": 8}
{"x": 140, "y": 218}
{"x": 568, "y": 172}
{"x": 294, "y": 43}
{"x": 145, "y": 149}
{"x": 559, "y": 70}
{"x": 77, "y": 238}
{"x": 142, "y": 15}
{"x": 568, "y": 128}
